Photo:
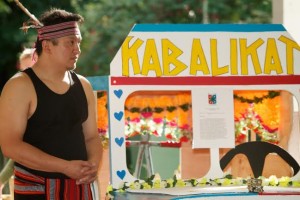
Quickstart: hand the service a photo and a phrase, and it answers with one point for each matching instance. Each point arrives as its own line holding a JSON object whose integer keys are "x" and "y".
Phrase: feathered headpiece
{"x": 50, "y": 31}
{"x": 33, "y": 22}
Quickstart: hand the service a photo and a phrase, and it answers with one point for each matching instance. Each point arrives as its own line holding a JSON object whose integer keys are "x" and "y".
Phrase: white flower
{"x": 135, "y": 185}
{"x": 239, "y": 181}
{"x": 273, "y": 181}
{"x": 163, "y": 184}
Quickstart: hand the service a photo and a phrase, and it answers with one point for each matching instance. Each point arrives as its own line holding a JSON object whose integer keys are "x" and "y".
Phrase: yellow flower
{"x": 226, "y": 182}
{"x": 273, "y": 180}
{"x": 135, "y": 185}
{"x": 109, "y": 188}
{"x": 202, "y": 180}
{"x": 296, "y": 184}
{"x": 156, "y": 176}
{"x": 170, "y": 181}
{"x": 238, "y": 181}
{"x": 265, "y": 181}
{"x": 146, "y": 185}
{"x": 218, "y": 180}
{"x": 180, "y": 183}
{"x": 163, "y": 184}
{"x": 121, "y": 190}
{"x": 156, "y": 184}
{"x": 284, "y": 181}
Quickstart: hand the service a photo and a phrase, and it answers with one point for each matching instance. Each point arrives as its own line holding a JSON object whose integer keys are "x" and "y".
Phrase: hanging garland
{"x": 185, "y": 107}
{"x": 271, "y": 94}
{"x": 155, "y": 182}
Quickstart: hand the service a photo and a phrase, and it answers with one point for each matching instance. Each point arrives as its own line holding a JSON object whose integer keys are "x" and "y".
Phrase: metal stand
{"x": 144, "y": 150}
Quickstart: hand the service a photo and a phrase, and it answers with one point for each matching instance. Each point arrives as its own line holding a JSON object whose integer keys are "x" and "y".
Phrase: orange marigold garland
{"x": 102, "y": 121}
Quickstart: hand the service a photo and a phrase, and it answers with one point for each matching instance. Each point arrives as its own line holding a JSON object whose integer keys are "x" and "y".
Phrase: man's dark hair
{"x": 56, "y": 16}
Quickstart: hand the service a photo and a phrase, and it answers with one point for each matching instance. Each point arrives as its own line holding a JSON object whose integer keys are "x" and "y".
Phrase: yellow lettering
{"x": 233, "y": 57}
{"x": 252, "y": 51}
{"x": 272, "y": 61}
{"x": 198, "y": 60}
{"x": 130, "y": 53}
{"x": 216, "y": 70}
{"x": 170, "y": 53}
{"x": 151, "y": 60}
{"x": 290, "y": 46}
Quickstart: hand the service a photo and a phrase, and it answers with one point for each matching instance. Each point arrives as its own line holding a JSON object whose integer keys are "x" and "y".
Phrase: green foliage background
{"x": 107, "y": 23}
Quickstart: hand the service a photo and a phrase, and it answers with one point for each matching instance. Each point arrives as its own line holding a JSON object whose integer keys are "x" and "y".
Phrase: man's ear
{"x": 46, "y": 46}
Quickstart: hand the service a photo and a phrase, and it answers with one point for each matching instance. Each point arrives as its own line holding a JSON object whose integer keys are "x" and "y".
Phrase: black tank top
{"x": 56, "y": 125}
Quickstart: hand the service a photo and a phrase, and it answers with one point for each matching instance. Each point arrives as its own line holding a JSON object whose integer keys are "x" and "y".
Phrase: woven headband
{"x": 58, "y": 30}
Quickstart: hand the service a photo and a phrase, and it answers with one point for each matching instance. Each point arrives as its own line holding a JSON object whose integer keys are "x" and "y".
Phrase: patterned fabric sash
{"x": 26, "y": 183}
{"x": 58, "y": 30}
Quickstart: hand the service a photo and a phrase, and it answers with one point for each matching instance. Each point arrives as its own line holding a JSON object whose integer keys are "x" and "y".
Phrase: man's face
{"x": 67, "y": 51}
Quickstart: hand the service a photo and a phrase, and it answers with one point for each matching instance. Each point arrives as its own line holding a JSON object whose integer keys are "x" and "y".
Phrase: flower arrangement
{"x": 155, "y": 182}
{"x": 102, "y": 114}
{"x": 103, "y": 133}
{"x": 161, "y": 114}
{"x": 251, "y": 121}
{"x": 146, "y": 124}
{"x": 163, "y": 119}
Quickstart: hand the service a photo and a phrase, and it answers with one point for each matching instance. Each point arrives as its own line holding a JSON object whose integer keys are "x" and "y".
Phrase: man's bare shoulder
{"x": 84, "y": 81}
{"x": 87, "y": 88}
{"x": 19, "y": 83}
{"x": 82, "y": 78}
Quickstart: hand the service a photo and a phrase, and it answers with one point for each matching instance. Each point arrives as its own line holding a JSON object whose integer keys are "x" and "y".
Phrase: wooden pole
{"x": 28, "y": 13}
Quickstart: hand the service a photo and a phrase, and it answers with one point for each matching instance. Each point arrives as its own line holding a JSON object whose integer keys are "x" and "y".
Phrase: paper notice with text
{"x": 213, "y": 118}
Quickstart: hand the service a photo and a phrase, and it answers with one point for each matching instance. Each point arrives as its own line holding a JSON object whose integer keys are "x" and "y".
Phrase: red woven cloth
{"x": 28, "y": 185}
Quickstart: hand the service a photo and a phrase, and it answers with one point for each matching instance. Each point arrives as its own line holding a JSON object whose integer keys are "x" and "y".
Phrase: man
{"x": 27, "y": 58}
{"x": 48, "y": 118}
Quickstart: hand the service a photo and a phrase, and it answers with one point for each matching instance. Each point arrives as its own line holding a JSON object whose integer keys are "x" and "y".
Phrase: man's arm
{"x": 18, "y": 97}
{"x": 92, "y": 139}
